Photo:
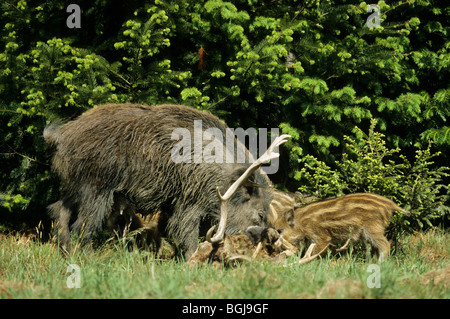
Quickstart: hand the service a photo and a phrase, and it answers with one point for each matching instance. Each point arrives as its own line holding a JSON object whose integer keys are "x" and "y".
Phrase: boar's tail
{"x": 51, "y": 134}
{"x": 398, "y": 208}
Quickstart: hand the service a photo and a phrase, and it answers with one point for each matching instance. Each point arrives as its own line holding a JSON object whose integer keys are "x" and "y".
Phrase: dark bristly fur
{"x": 332, "y": 222}
{"x": 124, "y": 151}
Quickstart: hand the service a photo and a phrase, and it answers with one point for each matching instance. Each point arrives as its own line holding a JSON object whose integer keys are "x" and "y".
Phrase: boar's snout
{"x": 255, "y": 233}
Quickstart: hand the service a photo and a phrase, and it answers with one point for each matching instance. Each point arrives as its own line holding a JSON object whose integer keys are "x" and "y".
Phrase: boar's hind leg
{"x": 379, "y": 244}
{"x": 92, "y": 211}
{"x": 61, "y": 214}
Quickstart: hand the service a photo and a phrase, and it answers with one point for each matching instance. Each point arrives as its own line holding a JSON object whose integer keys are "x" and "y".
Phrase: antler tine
{"x": 267, "y": 156}
{"x": 209, "y": 233}
{"x": 257, "y": 250}
{"x": 343, "y": 247}
{"x": 223, "y": 219}
{"x": 283, "y": 244}
{"x": 239, "y": 257}
{"x": 307, "y": 258}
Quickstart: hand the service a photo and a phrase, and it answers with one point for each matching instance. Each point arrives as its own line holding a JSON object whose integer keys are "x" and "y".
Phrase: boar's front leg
{"x": 184, "y": 227}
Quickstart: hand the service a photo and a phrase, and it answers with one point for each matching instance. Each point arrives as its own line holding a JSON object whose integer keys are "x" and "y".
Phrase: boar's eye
{"x": 262, "y": 216}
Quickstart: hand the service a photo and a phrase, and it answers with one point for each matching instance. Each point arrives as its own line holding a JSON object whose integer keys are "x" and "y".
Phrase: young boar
{"x": 337, "y": 222}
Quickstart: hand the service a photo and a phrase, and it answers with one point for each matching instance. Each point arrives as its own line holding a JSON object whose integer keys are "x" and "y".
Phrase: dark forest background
{"x": 367, "y": 107}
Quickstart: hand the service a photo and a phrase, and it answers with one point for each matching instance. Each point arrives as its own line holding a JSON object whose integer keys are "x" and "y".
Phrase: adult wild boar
{"x": 119, "y": 158}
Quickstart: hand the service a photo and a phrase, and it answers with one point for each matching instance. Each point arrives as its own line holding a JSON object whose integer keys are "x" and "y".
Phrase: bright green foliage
{"x": 312, "y": 68}
{"x": 367, "y": 165}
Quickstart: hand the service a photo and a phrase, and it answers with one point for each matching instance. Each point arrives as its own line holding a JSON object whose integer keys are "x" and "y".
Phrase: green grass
{"x": 30, "y": 269}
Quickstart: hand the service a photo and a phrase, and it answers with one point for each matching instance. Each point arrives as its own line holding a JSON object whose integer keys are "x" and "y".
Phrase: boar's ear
{"x": 247, "y": 186}
{"x": 248, "y": 191}
{"x": 252, "y": 184}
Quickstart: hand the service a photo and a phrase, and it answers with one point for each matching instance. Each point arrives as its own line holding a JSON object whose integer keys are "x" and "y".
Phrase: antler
{"x": 343, "y": 247}
{"x": 283, "y": 244}
{"x": 308, "y": 257}
{"x": 267, "y": 156}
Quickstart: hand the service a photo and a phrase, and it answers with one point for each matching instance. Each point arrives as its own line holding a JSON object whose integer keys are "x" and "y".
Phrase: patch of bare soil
{"x": 235, "y": 248}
